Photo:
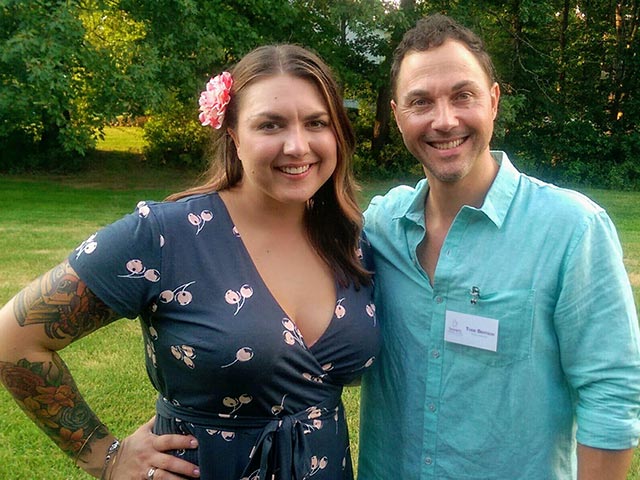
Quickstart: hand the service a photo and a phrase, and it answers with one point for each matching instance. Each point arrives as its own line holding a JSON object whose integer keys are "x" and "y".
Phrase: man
{"x": 509, "y": 328}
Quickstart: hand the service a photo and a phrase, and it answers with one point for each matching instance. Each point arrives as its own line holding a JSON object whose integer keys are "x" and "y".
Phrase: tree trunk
{"x": 381, "y": 125}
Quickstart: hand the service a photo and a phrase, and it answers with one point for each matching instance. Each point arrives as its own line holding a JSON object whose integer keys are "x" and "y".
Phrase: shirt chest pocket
{"x": 513, "y": 310}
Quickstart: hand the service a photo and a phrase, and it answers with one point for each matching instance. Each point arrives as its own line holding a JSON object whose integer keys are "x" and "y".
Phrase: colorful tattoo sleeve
{"x": 45, "y": 390}
{"x": 63, "y": 304}
{"x": 47, "y": 393}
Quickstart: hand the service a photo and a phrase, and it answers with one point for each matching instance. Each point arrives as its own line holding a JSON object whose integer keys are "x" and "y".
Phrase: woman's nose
{"x": 296, "y": 142}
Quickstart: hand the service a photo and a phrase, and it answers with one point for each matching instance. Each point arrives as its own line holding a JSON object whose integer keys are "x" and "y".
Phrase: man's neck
{"x": 445, "y": 199}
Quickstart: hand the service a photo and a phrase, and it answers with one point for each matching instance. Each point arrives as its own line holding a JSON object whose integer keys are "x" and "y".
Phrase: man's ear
{"x": 495, "y": 99}
{"x": 394, "y": 106}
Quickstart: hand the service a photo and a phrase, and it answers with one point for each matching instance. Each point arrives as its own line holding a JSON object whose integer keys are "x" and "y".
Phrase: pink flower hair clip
{"x": 214, "y": 100}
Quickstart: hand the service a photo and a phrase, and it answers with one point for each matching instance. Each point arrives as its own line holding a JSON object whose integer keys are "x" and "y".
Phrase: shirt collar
{"x": 496, "y": 204}
{"x": 498, "y": 200}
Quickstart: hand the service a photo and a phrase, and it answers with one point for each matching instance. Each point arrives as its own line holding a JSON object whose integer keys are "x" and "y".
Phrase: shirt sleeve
{"x": 121, "y": 263}
{"x": 597, "y": 328}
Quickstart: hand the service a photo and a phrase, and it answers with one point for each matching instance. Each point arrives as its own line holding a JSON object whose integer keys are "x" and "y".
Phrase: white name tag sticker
{"x": 471, "y": 330}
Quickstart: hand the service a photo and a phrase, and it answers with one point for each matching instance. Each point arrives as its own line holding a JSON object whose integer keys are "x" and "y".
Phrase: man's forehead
{"x": 457, "y": 64}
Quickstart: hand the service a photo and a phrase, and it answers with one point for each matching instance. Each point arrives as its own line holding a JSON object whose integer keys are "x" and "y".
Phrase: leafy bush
{"x": 625, "y": 169}
{"x": 577, "y": 152}
{"x": 175, "y": 137}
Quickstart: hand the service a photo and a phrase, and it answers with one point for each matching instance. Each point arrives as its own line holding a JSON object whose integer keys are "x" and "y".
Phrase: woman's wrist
{"x": 110, "y": 459}
{"x": 92, "y": 457}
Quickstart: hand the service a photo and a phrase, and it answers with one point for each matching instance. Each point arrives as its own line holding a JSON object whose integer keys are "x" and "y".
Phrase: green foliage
{"x": 569, "y": 72}
{"x": 577, "y": 152}
{"x": 60, "y": 82}
{"x": 41, "y": 64}
{"x": 624, "y": 173}
{"x": 176, "y": 137}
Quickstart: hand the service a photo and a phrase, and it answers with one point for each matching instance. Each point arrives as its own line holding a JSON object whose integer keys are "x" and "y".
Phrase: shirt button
{"x": 435, "y": 353}
{"x": 428, "y": 461}
{"x": 432, "y": 407}
{"x": 438, "y": 299}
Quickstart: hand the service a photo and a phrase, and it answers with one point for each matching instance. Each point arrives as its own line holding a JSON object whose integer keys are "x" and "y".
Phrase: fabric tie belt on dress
{"x": 281, "y": 450}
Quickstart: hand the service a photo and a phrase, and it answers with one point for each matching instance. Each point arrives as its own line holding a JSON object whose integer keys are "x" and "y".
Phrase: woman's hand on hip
{"x": 143, "y": 456}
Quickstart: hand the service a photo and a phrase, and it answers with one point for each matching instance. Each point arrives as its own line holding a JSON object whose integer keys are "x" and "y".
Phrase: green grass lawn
{"x": 43, "y": 218}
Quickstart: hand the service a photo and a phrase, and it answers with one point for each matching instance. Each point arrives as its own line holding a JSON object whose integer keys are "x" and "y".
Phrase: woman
{"x": 255, "y": 306}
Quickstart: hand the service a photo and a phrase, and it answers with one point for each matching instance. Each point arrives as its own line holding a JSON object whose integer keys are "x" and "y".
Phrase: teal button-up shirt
{"x": 544, "y": 264}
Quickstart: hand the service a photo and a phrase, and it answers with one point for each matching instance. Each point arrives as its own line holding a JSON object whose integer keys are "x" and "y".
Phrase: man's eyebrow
{"x": 418, "y": 92}
{"x": 421, "y": 92}
{"x": 464, "y": 84}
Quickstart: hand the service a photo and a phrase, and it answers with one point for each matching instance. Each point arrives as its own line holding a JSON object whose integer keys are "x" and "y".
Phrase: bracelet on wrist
{"x": 109, "y": 458}
{"x": 77, "y": 457}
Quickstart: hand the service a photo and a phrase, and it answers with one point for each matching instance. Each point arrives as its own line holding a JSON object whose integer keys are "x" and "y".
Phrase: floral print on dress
{"x": 151, "y": 353}
{"x": 235, "y": 404}
{"x": 371, "y": 311}
{"x": 185, "y": 353}
{"x": 180, "y": 295}
{"x": 347, "y": 454}
{"x": 199, "y": 220}
{"x": 143, "y": 209}
{"x": 238, "y": 297}
{"x": 243, "y": 354}
{"x": 253, "y": 476}
{"x": 319, "y": 378}
{"x": 340, "y": 310}
{"x": 317, "y": 464}
{"x": 153, "y": 333}
{"x": 88, "y": 246}
{"x": 226, "y": 436}
{"x": 150, "y": 347}
{"x": 313, "y": 414}
{"x": 136, "y": 269}
{"x": 366, "y": 365}
{"x": 291, "y": 333}
{"x": 278, "y": 409}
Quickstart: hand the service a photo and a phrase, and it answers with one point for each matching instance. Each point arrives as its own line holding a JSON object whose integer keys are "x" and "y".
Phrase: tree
{"x": 398, "y": 22}
{"x": 58, "y": 86}
{"x": 568, "y": 69}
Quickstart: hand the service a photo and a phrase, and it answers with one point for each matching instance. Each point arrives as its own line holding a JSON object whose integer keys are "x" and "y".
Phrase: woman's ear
{"x": 234, "y": 137}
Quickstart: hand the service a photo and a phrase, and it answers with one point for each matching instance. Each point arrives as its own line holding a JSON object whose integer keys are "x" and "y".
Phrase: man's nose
{"x": 444, "y": 116}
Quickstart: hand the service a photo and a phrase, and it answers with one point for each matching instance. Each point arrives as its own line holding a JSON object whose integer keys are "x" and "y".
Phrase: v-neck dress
{"x": 230, "y": 367}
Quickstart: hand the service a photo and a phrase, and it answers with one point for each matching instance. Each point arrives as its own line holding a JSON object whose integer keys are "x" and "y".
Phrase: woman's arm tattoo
{"x": 47, "y": 393}
{"x": 45, "y": 390}
{"x": 63, "y": 304}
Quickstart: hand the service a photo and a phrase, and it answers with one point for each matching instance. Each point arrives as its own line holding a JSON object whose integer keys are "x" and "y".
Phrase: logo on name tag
{"x": 471, "y": 330}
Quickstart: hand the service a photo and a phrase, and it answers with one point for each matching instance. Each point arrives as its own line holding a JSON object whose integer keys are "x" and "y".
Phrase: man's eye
{"x": 419, "y": 102}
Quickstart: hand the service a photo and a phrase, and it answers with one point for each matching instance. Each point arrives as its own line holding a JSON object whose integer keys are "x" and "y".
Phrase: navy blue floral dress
{"x": 229, "y": 365}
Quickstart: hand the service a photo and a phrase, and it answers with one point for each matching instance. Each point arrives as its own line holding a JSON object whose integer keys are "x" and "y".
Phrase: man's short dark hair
{"x": 433, "y": 31}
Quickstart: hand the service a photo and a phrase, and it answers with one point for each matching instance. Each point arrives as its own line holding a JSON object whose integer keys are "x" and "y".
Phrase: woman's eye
{"x": 268, "y": 126}
{"x": 317, "y": 124}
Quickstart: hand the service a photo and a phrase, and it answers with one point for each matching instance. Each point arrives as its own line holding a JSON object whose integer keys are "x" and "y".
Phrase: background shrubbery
{"x": 569, "y": 72}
